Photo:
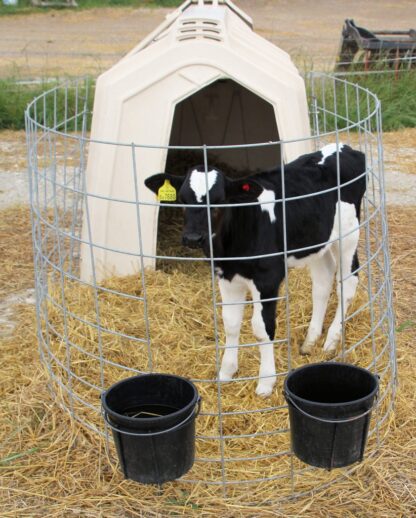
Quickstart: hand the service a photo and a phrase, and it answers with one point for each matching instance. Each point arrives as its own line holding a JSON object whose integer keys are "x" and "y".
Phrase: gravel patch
{"x": 400, "y": 188}
{"x": 14, "y": 189}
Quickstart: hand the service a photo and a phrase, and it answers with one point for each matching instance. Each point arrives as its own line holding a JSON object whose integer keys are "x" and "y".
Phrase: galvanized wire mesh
{"x": 58, "y": 141}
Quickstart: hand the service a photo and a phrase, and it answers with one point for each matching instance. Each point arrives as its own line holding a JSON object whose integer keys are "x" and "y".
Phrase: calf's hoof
{"x": 227, "y": 372}
{"x": 330, "y": 354}
{"x": 265, "y": 387}
{"x": 331, "y": 343}
{"x": 306, "y": 348}
{"x": 311, "y": 338}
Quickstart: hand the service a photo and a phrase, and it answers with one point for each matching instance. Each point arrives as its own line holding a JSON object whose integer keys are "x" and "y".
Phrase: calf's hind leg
{"x": 322, "y": 273}
{"x": 346, "y": 253}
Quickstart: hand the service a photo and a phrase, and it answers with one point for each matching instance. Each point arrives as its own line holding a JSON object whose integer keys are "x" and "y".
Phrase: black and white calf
{"x": 314, "y": 224}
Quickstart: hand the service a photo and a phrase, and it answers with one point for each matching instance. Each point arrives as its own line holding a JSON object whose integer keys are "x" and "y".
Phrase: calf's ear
{"x": 244, "y": 190}
{"x": 155, "y": 182}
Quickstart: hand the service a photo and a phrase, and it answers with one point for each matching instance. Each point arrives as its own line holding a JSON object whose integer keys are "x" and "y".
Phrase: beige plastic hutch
{"x": 202, "y": 77}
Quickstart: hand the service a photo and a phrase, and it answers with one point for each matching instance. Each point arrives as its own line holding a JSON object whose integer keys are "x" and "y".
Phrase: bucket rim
{"x": 152, "y": 421}
{"x": 330, "y": 364}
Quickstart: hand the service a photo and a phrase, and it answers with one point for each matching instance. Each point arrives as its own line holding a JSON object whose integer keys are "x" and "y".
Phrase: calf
{"x": 314, "y": 220}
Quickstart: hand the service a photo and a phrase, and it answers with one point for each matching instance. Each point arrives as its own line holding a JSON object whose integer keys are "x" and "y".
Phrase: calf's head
{"x": 198, "y": 187}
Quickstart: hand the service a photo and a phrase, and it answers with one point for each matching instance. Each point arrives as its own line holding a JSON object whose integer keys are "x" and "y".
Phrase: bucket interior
{"x": 331, "y": 383}
{"x": 143, "y": 411}
{"x": 150, "y": 396}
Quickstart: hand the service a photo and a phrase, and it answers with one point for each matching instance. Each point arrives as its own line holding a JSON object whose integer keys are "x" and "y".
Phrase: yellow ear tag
{"x": 167, "y": 192}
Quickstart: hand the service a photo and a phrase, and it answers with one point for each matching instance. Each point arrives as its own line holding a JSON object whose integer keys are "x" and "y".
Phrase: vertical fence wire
{"x": 75, "y": 197}
{"x": 78, "y": 174}
{"x": 142, "y": 267}
{"x": 61, "y": 259}
{"x": 323, "y": 100}
{"x": 340, "y": 246}
{"x": 376, "y": 177}
{"x": 31, "y": 147}
{"x": 386, "y": 251}
{"x": 216, "y": 333}
{"x": 94, "y": 285}
{"x": 359, "y": 120}
{"x": 287, "y": 293}
{"x": 315, "y": 114}
{"x": 347, "y": 111}
{"x": 41, "y": 286}
{"x": 367, "y": 241}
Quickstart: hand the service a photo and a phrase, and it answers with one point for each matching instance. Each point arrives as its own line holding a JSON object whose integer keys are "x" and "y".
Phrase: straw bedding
{"x": 16, "y": 272}
{"x": 51, "y": 466}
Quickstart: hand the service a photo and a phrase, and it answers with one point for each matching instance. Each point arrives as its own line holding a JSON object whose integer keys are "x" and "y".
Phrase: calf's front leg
{"x": 264, "y": 326}
{"x": 232, "y": 292}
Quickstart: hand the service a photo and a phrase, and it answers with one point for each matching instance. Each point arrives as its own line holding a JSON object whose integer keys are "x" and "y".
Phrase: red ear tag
{"x": 245, "y": 187}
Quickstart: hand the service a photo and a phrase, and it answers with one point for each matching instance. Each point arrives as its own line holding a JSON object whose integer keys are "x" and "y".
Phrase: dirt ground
{"x": 79, "y": 42}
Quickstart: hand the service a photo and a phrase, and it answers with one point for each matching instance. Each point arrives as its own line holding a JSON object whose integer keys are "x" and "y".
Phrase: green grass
{"x": 14, "y": 98}
{"x": 397, "y": 97}
{"x": 25, "y": 7}
{"x": 13, "y": 101}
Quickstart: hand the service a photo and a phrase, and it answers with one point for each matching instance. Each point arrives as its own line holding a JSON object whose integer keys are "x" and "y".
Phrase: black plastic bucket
{"x": 329, "y": 410}
{"x": 152, "y": 417}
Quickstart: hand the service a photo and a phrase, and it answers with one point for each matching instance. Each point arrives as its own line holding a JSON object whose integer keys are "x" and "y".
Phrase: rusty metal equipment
{"x": 363, "y": 49}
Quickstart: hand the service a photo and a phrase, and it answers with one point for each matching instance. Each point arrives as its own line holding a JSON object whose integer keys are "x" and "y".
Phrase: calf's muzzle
{"x": 193, "y": 240}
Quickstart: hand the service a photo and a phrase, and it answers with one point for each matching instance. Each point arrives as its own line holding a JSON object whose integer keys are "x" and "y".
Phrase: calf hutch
{"x": 203, "y": 77}
{"x": 208, "y": 106}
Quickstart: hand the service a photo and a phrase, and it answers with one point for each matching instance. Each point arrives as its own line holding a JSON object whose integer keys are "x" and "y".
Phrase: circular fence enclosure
{"x": 168, "y": 319}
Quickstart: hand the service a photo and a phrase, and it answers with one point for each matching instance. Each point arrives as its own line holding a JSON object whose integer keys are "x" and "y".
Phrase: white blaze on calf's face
{"x": 199, "y": 181}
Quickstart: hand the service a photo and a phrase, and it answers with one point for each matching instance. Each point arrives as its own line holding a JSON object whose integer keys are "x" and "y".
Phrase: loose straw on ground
{"x": 52, "y": 466}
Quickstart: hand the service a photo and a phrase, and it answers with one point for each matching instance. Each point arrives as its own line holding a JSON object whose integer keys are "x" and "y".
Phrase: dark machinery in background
{"x": 362, "y": 49}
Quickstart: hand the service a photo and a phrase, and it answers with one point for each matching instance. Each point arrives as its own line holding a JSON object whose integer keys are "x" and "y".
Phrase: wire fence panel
{"x": 94, "y": 332}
